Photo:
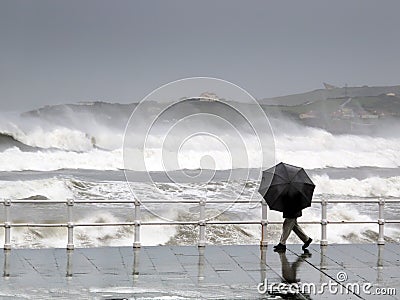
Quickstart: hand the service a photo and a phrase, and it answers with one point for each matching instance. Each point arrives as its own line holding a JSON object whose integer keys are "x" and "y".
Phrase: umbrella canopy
{"x": 286, "y": 188}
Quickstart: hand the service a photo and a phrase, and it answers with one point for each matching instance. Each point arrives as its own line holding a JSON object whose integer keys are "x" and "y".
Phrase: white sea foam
{"x": 75, "y": 135}
{"x": 295, "y": 144}
{"x": 315, "y": 149}
{"x": 16, "y": 160}
{"x": 51, "y": 188}
{"x": 59, "y": 137}
{"x": 63, "y": 188}
{"x": 368, "y": 187}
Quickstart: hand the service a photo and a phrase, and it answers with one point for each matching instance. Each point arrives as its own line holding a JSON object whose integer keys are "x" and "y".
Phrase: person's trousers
{"x": 291, "y": 224}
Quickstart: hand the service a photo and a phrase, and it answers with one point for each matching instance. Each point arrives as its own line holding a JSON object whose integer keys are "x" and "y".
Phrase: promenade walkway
{"x": 213, "y": 272}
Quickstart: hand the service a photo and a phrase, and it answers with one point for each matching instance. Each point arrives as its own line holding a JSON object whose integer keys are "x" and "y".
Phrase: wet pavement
{"x": 213, "y": 272}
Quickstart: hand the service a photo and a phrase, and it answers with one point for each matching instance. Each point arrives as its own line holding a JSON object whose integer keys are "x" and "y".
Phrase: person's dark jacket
{"x": 292, "y": 214}
{"x": 291, "y": 209}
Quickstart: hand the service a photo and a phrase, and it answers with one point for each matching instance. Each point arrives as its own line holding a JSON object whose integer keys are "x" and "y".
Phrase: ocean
{"x": 79, "y": 151}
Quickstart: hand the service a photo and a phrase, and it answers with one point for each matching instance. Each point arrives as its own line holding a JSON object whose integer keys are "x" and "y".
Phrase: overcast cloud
{"x": 119, "y": 51}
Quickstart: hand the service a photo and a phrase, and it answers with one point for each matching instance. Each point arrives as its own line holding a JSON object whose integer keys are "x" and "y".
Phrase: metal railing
{"x": 201, "y": 223}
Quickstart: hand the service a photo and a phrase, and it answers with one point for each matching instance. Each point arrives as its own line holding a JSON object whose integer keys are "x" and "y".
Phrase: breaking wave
{"x": 91, "y": 136}
{"x": 57, "y": 188}
{"x": 14, "y": 159}
{"x": 315, "y": 148}
{"x": 368, "y": 187}
{"x": 334, "y": 153}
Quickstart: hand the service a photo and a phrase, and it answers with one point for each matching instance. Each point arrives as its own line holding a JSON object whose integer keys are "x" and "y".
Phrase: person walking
{"x": 288, "y": 189}
{"x": 289, "y": 224}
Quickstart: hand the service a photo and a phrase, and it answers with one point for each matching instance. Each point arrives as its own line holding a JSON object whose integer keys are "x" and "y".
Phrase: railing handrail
{"x": 202, "y": 222}
{"x": 175, "y": 223}
{"x": 94, "y": 201}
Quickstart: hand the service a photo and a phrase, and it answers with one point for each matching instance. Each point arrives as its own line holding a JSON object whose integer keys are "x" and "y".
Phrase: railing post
{"x": 70, "y": 225}
{"x": 202, "y": 224}
{"x": 136, "y": 243}
{"x": 7, "y": 225}
{"x": 381, "y": 222}
{"x": 264, "y": 224}
{"x": 324, "y": 222}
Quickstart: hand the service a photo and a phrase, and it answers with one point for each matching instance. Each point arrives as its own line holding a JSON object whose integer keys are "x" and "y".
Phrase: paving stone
{"x": 183, "y": 272}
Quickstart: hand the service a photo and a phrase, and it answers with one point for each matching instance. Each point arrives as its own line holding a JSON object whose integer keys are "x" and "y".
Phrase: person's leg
{"x": 286, "y": 229}
{"x": 299, "y": 232}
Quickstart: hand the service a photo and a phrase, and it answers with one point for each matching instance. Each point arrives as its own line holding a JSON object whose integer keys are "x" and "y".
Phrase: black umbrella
{"x": 286, "y": 188}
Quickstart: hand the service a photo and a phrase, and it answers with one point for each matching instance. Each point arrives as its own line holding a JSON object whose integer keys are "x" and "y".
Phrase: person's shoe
{"x": 280, "y": 248}
{"x": 306, "y": 244}
{"x": 306, "y": 254}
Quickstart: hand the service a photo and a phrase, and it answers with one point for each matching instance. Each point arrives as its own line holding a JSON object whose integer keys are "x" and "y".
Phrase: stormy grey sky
{"x": 119, "y": 51}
